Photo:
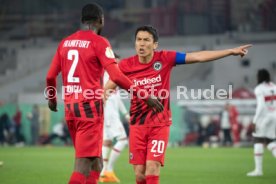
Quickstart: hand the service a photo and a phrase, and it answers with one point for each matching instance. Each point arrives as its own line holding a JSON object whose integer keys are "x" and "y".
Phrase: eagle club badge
{"x": 157, "y": 65}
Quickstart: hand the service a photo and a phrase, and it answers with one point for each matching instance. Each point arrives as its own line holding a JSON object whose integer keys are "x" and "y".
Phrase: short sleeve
{"x": 104, "y": 52}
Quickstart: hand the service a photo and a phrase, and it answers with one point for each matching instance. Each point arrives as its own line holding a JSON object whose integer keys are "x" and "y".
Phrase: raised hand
{"x": 52, "y": 105}
{"x": 155, "y": 104}
{"x": 241, "y": 50}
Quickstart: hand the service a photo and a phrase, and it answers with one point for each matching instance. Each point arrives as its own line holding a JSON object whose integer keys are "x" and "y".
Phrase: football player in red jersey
{"x": 150, "y": 70}
{"x": 82, "y": 58}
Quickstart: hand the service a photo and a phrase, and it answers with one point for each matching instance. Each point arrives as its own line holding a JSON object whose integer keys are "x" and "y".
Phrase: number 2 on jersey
{"x": 73, "y": 54}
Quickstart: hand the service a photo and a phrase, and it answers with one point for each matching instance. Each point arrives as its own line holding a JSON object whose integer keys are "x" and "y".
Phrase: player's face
{"x": 144, "y": 44}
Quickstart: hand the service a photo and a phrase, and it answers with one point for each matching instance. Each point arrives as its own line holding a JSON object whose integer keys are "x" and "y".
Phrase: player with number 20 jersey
{"x": 150, "y": 71}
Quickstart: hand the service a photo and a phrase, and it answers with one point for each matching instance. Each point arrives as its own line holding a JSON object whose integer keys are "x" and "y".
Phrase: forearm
{"x": 121, "y": 80}
{"x": 110, "y": 85}
{"x": 206, "y": 56}
{"x": 117, "y": 77}
{"x": 50, "y": 91}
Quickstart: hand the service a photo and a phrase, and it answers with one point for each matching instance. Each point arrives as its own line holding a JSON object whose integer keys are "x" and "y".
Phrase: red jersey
{"x": 82, "y": 57}
{"x": 153, "y": 76}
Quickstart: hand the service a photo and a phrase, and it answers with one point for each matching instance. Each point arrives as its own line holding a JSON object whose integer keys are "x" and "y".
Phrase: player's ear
{"x": 102, "y": 20}
{"x": 155, "y": 45}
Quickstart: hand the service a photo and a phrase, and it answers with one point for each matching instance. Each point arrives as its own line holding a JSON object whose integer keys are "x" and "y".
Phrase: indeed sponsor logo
{"x": 146, "y": 81}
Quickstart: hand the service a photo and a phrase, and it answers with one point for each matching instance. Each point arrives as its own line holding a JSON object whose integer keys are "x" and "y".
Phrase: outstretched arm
{"x": 206, "y": 56}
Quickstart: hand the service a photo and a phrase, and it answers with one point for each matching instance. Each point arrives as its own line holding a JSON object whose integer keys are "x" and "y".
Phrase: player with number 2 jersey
{"x": 82, "y": 58}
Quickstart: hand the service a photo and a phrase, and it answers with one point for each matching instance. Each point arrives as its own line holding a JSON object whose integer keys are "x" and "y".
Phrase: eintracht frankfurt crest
{"x": 157, "y": 65}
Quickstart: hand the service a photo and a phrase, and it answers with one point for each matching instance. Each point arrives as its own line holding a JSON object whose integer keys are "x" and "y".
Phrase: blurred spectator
{"x": 193, "y": 126}
{"x": 208, "y": 131}
{"x": 202, "y": 130}
{"x": 226, "y": 126}
{"x": 5, "y": 129}
{"x": 34, "y": 120}
{"x": 17, "y": 118}
{"x": 235, "y": 126}
{"x": 60, "y": 130}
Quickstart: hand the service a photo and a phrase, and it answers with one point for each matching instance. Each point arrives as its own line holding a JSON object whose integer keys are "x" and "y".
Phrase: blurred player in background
{"x": 113, "y": 129}
{"x": 226, "y": 126}
{"x": 150, "y": 70}
{"x": 34, "y": 118}
{"x": 264, "y": 120}
{"x": 82, "y": 58}
{"x": 60, "y": 130}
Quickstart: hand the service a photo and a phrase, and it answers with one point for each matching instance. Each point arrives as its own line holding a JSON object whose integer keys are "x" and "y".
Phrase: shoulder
{"x": 168, "y": 58}
{"x": 100, "y": 39}
{"x": 258, "y": 89}
{"x": 70, "y": 37}
{"x": 166, "y": 54}
{"x": 274, "y": 85}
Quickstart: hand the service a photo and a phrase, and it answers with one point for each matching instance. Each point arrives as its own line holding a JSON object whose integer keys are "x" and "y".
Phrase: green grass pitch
{"x": 53, "y": 165}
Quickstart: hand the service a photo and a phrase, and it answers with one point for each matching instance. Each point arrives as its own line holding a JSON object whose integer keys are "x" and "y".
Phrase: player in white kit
{"x": 113, "y": 129}
{"x": 264, "y": 120}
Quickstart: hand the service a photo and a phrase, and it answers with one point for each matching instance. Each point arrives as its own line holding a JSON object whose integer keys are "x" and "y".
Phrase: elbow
{"x": 196, "y": 58}
{"x": 49, "y": 79}
{"x": 199, "y": 59}
{"x": 115, "y": 78}
{"x": 50, "y": 76}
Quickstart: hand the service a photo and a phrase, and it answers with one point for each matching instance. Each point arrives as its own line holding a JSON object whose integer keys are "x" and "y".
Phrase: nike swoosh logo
{"x": 156, "y": 155}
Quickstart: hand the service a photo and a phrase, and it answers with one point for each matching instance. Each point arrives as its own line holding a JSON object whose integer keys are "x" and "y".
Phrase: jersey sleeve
{"x": 104, "y": 52}
{"x": 175, "y": 58}
{"x": 260, "y": 105}
{"x": 52, "y": 74}
{"x": 122, "y": 66}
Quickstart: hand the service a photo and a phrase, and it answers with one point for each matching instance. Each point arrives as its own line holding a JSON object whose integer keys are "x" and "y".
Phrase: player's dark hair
{"x": 149, "y": 29}
{"x": 263, "y": 76}
{"x": 91, "y": 13}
